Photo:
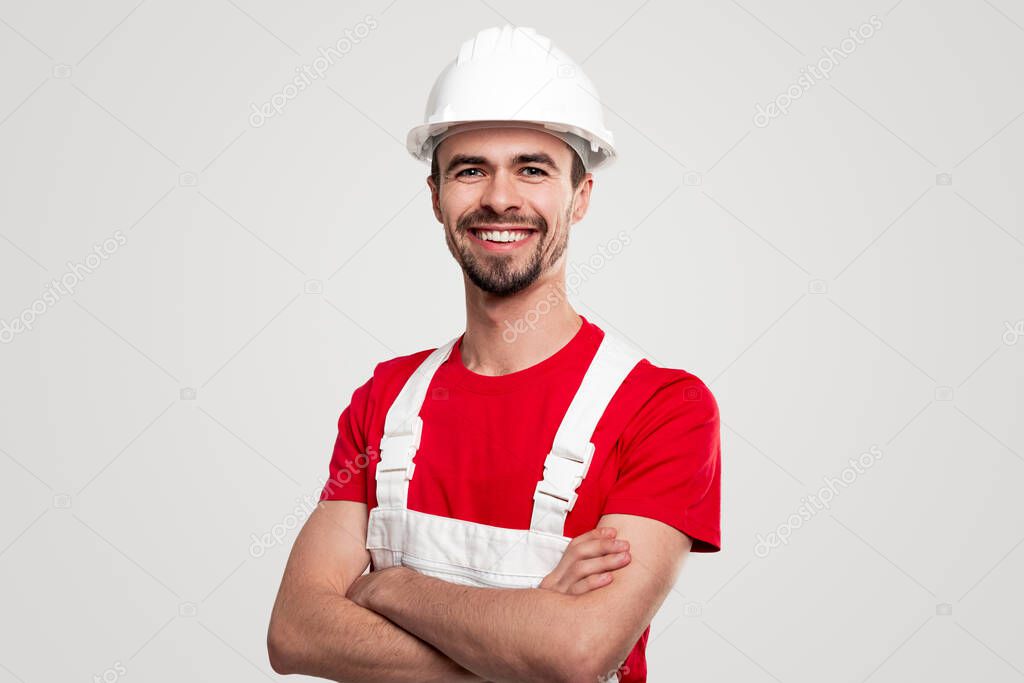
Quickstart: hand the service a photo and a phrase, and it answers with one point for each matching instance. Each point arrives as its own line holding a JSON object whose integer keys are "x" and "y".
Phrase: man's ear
{"x": 583, "y": 198}
{"x": 435, "y": 199}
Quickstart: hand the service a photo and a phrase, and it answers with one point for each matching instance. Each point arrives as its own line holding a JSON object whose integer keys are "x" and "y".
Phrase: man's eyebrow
{"x": 473, "y": 160}
{"x": 535, "y": 158}
{"x": 464, "y": 160}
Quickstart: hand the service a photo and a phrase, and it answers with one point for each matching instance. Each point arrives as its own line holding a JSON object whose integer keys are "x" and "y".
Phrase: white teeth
{"x": 503, "y": 235}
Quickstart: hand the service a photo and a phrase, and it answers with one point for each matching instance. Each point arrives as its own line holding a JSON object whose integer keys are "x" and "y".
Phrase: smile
{"x": 513, "y": 235}
{"x": 500, "y": 240}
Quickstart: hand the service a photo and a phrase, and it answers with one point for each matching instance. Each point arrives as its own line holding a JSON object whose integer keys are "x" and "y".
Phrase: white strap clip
{"x": 564, "y": 471}
{"x": 398, "y": 449}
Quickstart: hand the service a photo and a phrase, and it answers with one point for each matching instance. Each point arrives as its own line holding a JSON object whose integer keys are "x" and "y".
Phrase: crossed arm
{"x": 398, "y": 625}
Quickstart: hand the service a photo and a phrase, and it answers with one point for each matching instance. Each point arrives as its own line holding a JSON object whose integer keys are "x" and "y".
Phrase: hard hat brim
{"x": 422, "y": 139}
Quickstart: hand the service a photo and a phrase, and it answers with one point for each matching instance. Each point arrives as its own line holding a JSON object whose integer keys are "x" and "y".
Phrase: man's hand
{"x": 588, "y": 562}
{"x": 362, "y": 588}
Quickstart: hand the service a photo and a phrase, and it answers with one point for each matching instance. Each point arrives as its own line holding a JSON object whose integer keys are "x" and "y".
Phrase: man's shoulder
{"x": 648, "y": 379}
{"x": 659, "y": 387}
{"x": 390, "y": 375}
{"x": 404, "y": 364}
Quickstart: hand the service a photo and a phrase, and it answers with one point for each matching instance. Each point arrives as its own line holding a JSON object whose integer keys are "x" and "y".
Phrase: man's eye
{"x": 539, "y": 171}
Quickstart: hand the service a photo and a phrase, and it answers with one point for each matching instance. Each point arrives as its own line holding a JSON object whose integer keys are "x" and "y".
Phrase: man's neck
{"x": 511, "y": 334}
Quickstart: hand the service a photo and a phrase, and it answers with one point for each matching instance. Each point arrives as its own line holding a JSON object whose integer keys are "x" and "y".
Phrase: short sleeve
{"x": 670, "y": 463}
{"x": 348, "y": 465}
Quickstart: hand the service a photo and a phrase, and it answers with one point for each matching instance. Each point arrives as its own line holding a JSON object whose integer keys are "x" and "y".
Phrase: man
{"x": 485, "y": 481}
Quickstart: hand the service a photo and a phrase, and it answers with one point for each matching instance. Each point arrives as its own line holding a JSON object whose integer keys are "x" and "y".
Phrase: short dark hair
{"x": 575, "y": 175}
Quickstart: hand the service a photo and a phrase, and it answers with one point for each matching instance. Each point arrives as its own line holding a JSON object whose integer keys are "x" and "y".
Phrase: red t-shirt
{"x": 657, "y": 450}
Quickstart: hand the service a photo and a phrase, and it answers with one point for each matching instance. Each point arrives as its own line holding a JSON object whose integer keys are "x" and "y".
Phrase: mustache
{"x": 467, "y": 222}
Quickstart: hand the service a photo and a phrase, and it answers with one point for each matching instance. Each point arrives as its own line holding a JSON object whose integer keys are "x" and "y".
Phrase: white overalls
{"x": 475, "y": 554}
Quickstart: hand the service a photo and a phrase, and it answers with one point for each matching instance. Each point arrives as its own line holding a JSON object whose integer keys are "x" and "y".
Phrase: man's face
{"x": 506, "y": 201}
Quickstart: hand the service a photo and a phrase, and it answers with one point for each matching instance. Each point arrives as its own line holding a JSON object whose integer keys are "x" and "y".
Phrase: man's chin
{"x": 500, "y": 286}
{"x": 492, "y": 275}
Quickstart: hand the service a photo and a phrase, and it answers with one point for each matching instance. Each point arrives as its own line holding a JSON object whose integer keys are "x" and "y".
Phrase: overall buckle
{"x": 398, "y": 448}
{"x": 564, "y": 471}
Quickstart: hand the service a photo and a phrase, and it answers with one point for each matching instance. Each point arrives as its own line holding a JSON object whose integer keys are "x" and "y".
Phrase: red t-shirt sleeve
{"x": 347, "y": 470}
{"x": 670, "y": 463}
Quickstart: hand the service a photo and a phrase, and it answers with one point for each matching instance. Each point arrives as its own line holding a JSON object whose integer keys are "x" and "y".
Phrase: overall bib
{"x": 475, "y": 554}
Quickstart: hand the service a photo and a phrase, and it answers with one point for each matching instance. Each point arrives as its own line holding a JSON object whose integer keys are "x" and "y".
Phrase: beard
{"x": 498, "y": 274}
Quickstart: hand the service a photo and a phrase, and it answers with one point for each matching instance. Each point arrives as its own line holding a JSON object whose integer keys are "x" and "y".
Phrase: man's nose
{"x": 501, "y": 193}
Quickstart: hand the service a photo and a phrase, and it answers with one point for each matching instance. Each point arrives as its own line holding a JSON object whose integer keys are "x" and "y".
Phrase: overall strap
{"x": 566, "y": 465}
{"x": 402, "y": 429}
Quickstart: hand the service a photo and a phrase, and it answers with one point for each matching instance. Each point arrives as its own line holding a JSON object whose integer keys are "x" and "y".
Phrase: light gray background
{"x": 832, "y": 287}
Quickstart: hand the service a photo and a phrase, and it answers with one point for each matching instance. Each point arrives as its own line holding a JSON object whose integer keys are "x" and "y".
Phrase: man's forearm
{"x": 500, "y": 634}
{"x": 339, "y": 640}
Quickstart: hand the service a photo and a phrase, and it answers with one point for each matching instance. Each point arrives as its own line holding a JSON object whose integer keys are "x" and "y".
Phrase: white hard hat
{"x": 512, "y": 76}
